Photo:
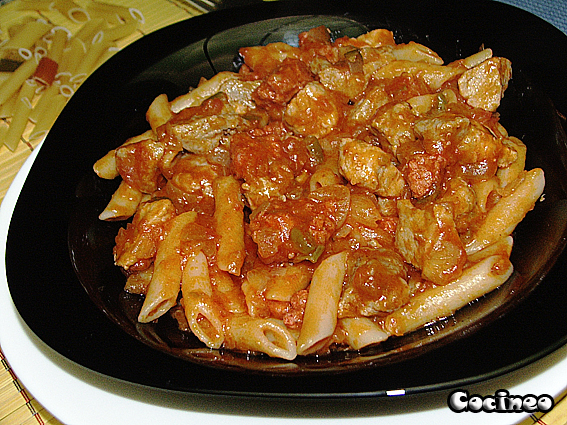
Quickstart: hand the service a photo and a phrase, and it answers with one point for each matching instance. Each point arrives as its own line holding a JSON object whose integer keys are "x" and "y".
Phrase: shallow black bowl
{"x": 59, "y": 255}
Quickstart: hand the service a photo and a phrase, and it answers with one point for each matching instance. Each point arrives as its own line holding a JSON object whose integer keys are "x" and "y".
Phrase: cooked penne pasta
{"x": 196, "y": 275}
{"x": 442, "y": 301}
{"x": 203, "y": 318}
{"x": 159, "y": 113}
{"x": 123, "y": 203}
{"x": 105, "y": 167}
{"x": 269, "y": 336}
{"x": 320, "y": 317}
{"x": 361, "y": 332}
{"x": 166, "y": 279}
{"x": 334, "y": 203}
{"x": 229, "y": 224}
{"x": 501, "y": 220}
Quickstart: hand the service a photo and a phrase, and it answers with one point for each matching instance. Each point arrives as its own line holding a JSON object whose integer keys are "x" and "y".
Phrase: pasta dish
{"x": 326, "y": 196}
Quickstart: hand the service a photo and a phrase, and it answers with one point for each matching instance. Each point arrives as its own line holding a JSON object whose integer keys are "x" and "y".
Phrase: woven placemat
{"x": 17, "y": 405}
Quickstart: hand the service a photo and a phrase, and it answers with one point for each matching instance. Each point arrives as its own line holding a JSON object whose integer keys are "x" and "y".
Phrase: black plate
{"x": 57, "y": 248}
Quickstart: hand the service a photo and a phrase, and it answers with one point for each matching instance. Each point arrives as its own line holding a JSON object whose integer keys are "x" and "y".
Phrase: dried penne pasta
{"x": 34, "y": 5}
{"x": 27, "y": 36}
{"x": 87, "y": 65}
{"x": 48, "y": 117}
{"x": 120, "y": 31}
{"x": 166, "y": 279}
{"x": 14, "y": 83}
{"x": 89, "y": 29}
{"x": 43, "y": 104}
{"x": 21, "y": 114}
{"x": 71, "y": 10}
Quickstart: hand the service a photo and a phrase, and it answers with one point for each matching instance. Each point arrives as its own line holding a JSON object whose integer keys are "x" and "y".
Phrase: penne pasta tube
{"x": 71, "y": 10}
{"x": 205, "y": 90}
{"x": 268, "y": 336}
{"x": 7, "y": 108}
{"x": 166, "y": 279}
{"x": 123, "y": 203}
{"x": 42, "y": 5}
{"x": 120, "y": 31}
{"x": 229, "y": 224}
{"x": 87, "y": 32}
{"x": 320, "y": 317}
{"x": 46, "y": 120}
{"x": 203, "y": 318}
{"x": 59, "y": 38}
{"x": 227, "y": 293}
{"x": 138, "y": 282}
{"x": 105, "y": 167}
{"x": 196, "y": 275}
{"x": 22, "y": 110}
{"x": 87, "y": 65}
{"x": 27, "y": 36}
{"x": 513, "y": 171}
{"x": 158, "y": 113}
{"x": 361, "y": 332}
{"x": 4, "y": 75}
{"x": 72, "y": 56}
{"x": 442, "y": 301}
{"x": 500, "y": 247}
{"x": 14, "y": 83}
{"x": 43, "y": 104}
{"x": 503, "y": 218}
{"x": 115, "y": 14}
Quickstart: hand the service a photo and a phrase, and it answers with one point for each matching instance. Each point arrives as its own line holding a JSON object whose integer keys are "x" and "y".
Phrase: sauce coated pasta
{"x": 324, "y": 197}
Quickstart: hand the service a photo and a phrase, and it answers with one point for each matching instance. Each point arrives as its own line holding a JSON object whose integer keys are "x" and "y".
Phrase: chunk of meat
{"x": 293, "y": 318}
{"x": 394, "y": 123}
{"x": 483, "y": 86}
{"x": 463, "y": 142}
{"x": 202, "y": 134}
{"x": 136, "y": 245}
{"x": 424, "y": 174}
{"x": 268, "y": 161}
{"x": 237, "y": 89}
{"x": 428, "y": 239}
{"x": 263, "y": 60}
{"x": 377, "y": 283}
{"x": 138, "y": 164}
{"x": 190, "y": 183}
{"x": 277, "y": 89}
{"x": 370, "y": 167}
{"x": 314, "y": 111}
{"x": 292, "y": 230}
